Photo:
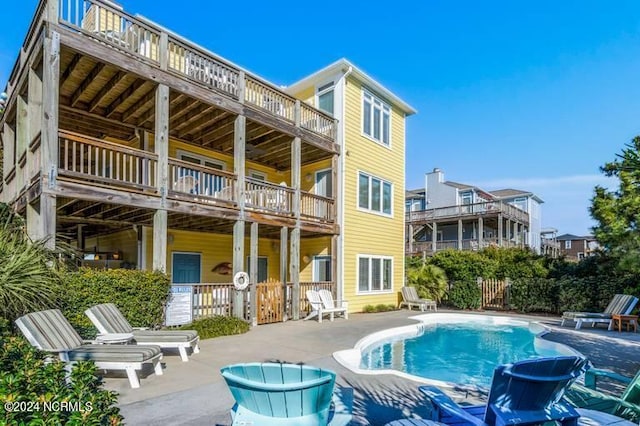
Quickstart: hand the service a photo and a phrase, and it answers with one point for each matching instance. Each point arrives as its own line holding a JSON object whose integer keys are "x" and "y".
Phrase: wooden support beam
{"x": 104, "y": 91}
{"x": 434, "y": 237}
{"x": 161, "y": 135}
{"x": 238, "y": 265}
{"x": 239, "y": 142}
{"x": 253, "y": 277}
{"x": 129, "y": 91}
{"x": 480, "y": 232}
{"x": 500, "y": 230}
{"x": 70, "y": 68}
{"x": 143, "y": 104}
{"x": 95, "y": 71}
{"x": 294, "y": 261}
{"x": 201, "y": 111}
{"x": 283, "y": 266}
{"x": 460, "y": 231}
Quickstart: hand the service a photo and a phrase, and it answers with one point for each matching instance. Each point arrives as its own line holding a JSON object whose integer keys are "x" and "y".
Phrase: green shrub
{"x": 464, "y": 265}
{"x": 535, "y": 295}
{"x": 140, "y": 295}
{"x": 26, "y": 377}
{"x": 465, "y": 295}
{"x": 217, "y": 326}
{"x": 369, "y": 309}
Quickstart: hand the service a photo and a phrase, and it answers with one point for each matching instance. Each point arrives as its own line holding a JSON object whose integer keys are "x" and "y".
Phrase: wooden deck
{"x": 467, "y": 212}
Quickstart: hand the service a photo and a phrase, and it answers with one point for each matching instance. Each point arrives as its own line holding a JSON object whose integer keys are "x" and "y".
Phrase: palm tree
{"x": 28, "y": 279}
{"x": 429, "y": 280}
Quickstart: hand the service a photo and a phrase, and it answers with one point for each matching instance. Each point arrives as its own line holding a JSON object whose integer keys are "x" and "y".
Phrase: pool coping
{"x": 350, "y": 358}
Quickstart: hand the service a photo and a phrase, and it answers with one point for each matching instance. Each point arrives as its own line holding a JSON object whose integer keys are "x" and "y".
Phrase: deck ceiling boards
{"x": 101, "y": 100}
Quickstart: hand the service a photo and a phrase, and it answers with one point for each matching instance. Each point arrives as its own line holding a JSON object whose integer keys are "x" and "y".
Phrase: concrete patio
{"x": 194, "y": 393}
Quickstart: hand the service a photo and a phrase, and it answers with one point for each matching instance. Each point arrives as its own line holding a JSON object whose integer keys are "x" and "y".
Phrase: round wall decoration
{"x": 241, "y": 280}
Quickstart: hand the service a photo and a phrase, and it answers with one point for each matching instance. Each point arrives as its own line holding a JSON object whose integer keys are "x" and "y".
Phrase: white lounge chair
{"x": 621, "y": 304}
{"x": 333, "y": 306}
{"x": 109, "y": 320}
{"x": 319, "y": 308}
{"x": 49, "y": 331}
{"x": 410, "y": 298}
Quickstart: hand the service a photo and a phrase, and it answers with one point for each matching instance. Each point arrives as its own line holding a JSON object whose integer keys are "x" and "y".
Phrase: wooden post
{"x": 460, "y": 230}
{"x": 22, "y": 139}
{"x": 163, "y": 47}
{"x": 162, "y": 149}
{"x": 515, "y": 231}
{"x": 283, "y": 268}
{"x": 49, "y": 137}
{"x": 238, "y": 227}
{"x": 480, "y": 231}
{"x": 434, "y": 237}
{"x": 238, "y": 266}
{"x": 410, "y": 237}
{"x": 253, "y": 277}
{"x": 294, "y": 260}
{"x": 508, "y": 232}
{"x": 500, "y": 230}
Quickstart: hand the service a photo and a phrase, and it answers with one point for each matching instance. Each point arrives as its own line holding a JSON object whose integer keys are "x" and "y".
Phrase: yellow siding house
{"x": 371, "y": 131}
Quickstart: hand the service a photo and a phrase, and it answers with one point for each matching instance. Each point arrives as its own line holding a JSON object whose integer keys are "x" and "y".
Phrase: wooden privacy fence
{"x": 495, "y": 293}
{"x": 270, "y": 302}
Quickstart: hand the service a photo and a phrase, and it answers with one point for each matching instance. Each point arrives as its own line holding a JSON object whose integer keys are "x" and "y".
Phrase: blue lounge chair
{"x": 627, "y": 405}
{"x": 526, "y": 392}
{"x": 282, "y": 394}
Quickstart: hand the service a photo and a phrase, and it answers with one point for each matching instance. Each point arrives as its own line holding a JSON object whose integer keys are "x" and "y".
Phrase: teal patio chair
{"x": 627, "y": 405}
{"x": 283, "y": 394}
{"x": 526, "y": 392}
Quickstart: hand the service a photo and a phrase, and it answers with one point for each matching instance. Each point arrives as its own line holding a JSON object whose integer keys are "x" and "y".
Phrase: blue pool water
{"x": 463, "y": 353}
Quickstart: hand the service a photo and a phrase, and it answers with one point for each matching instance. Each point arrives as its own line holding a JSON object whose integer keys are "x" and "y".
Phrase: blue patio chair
{"x": 282, "y": 394}
{"x": 526, "y": 392}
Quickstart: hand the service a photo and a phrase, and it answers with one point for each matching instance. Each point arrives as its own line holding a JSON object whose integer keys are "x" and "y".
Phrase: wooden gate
{"x": 270, "y": 302}
{"x": 495, "y": 294}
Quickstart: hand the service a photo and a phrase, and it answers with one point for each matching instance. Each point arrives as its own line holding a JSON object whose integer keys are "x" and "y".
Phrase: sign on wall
{"x": 180, "y": 306}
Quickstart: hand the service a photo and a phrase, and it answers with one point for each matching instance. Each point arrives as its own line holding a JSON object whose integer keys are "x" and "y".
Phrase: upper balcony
{"x": 468, "y": 212}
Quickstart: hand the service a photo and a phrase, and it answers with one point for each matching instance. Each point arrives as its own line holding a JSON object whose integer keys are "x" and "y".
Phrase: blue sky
{"x": 529, "y": 95}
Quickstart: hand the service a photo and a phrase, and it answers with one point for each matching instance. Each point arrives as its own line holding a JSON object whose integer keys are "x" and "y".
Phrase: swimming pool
{"x": 450, "y": 348}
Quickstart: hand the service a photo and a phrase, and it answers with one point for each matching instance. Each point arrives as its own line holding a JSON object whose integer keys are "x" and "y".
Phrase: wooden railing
{"x": 265, "y": 97}
{"x": 107, "y": 163}
{"x": 317, "y": 121}
{"x": 205, "y": 182}
{"x": 112, "y": 25}
{"x": 268, "y": 196}
{"x": 304, "y": 286}
{"x": 216, "y": 299}
{"x": 317, "y": 207}
{"x": 467, "y": 244}
{"x": 492, "y": 207}
{"x": 199, "y": 66}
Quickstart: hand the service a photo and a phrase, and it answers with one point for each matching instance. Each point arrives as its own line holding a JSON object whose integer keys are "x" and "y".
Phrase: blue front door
{"x": 186, "y": 268}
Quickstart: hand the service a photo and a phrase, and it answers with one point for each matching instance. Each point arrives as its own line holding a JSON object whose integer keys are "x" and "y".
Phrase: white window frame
{"x": 202, "y": 158}
{"x": 262, "y": 175}
{"x": 321, "y": 89}
{"x": 385, "y": 107}
{"x": 581, "y": 255}
{"x": 382, "y": 259}
{"x": 567, "y": 245}
{"x": 382, "y": 182}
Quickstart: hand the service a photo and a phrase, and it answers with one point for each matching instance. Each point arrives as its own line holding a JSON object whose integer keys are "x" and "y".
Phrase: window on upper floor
{"x": 375, "y": 273}
{"x": 374, "y": 194}
{"x": 326, "y": 98}
{"x": 376, "y": 119}
{"x": 520, "y": 202}
{"x": 567, "y": 245}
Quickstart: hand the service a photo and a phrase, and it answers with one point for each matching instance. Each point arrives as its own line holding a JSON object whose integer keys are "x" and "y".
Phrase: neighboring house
{"x": 145, "y": 150}
{"x": 466, "y": 217}
{"x": 574, "y": 247}
{"x": 549, "y": 244}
